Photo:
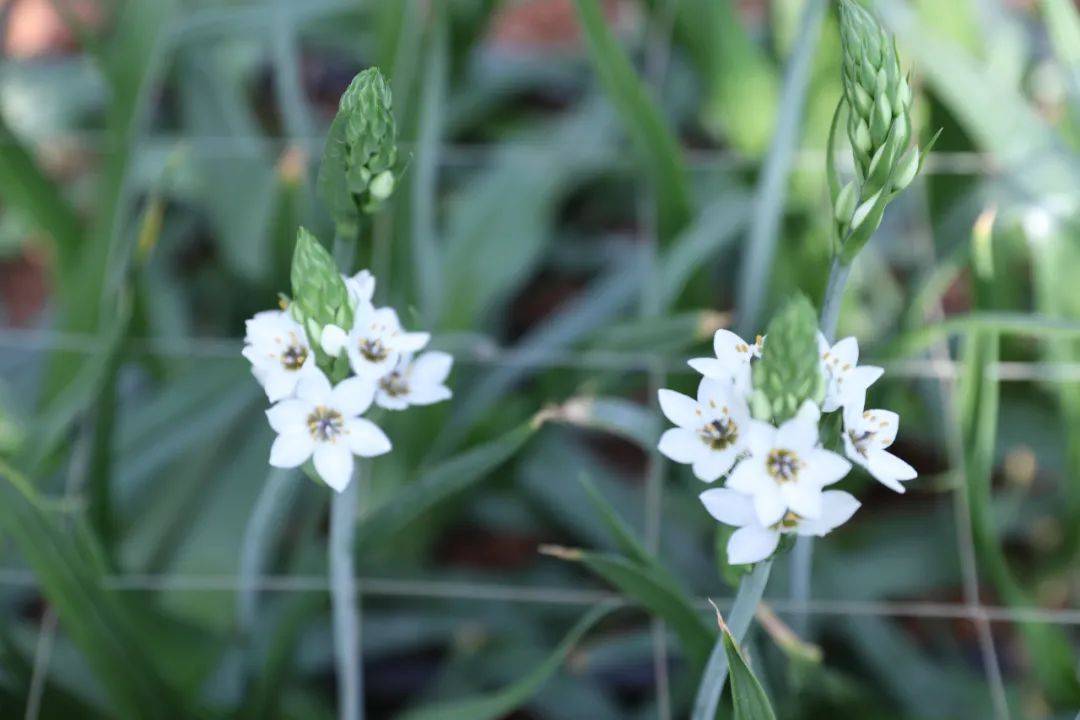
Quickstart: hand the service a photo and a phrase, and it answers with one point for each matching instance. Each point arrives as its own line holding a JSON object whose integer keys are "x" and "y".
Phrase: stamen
{"x": 783, "y": 465}
{"x": 373, "y": 350}
{"x": 395, "y": 384}
{"x": 325, "y": 424}
{"x": 720, "y": 434}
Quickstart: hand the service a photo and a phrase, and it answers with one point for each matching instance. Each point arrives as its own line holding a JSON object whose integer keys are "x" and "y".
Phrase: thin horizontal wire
{"x": 492, "y": 592}
{"x": 466, "y": 154}
{"x": 486, "y": 352}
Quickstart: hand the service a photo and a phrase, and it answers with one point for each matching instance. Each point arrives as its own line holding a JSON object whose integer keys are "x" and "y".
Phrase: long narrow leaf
{"x": 505, "y": 701}
{"x": 652, "y": 137}
{"x": 747, "y": 695}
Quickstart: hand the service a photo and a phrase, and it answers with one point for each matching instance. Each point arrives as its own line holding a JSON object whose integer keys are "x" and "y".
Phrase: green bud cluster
{"x": 360, "y": 158}
{"x": 878, "y": 99}
{"x": 320, "y": 297}
{"x": 789, "y": 372}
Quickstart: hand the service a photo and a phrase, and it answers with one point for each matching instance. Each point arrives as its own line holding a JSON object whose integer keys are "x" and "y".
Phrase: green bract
{"x": 358, "y": 166}
{"x": 319, "y": 294}
{"x": 790, "y": 370}
{"x": 878, "y": 97}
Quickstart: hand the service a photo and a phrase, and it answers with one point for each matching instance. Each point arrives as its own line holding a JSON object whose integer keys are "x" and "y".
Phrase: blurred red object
{"x": 24, "y": 286}
{"x": 35, "y": 28}
{"x": 546, "y": 24}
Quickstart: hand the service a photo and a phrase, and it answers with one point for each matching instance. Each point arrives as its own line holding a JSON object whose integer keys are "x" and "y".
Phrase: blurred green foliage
{"x": 569, "y": 219}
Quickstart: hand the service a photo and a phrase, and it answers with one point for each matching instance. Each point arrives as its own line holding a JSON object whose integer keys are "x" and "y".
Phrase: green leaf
{"x": 69, "y": 572}
{"x": 653, "y": 138}
{"x": 505, "y": 701}
{"x": 654, "y": 591}
{"x": 747, "y": 695}
{"x": 377, "y": 525}
{"x": 1005, "y": 323}
{"x": 25, "y": 188}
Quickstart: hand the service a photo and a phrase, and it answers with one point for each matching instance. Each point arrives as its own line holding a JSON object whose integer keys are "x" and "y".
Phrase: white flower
{"x": 754, "y": 541}
{"x": 866, "y": 437}
{"x": 845, "y": 381}
{"x": 324, "y": 423}
{"x": 711, "y": 431}
{"x": 786, "y": 470}
{"x": 732, "y": 361}
{"x": 361, "y": 287}
{"x": 279, "y": 352}
{"x": 415, "y": 382}
{"x": 375, "y": 343}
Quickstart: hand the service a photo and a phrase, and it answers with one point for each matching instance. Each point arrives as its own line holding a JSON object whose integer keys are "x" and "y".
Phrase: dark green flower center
{"x": 325, "y": 424}
{"x": 720, "y": 434}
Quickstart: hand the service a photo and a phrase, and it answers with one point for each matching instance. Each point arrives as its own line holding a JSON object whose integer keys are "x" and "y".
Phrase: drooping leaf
{"x": 499, "y": 704}
{"x": 748, "y": 697}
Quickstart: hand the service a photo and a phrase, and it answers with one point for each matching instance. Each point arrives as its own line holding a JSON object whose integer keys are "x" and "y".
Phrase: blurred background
{"x": 584, "y": 205}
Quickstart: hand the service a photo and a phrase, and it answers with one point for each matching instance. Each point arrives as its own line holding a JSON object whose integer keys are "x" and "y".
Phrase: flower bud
{"x": 846, "y": 201}
{"x": 360, "y": 158}
{"x": 790, "y": 368}
{"x": 319, "y": 294}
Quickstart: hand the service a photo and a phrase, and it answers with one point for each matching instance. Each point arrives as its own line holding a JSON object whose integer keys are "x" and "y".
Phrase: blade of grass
{"x": 505, "y": 701}
{"x": 653, "y": 139}
{"x": 652, "y": 591}
{"x": 751, "y": 588}
{"x": 344, "y": 601}
{"x": 70, "y": 575}
{"x": 377, "y": 525}
{"x": 772, "y": 185}
{"x": 748, "y": 697}
{"x": 1003, "y": 323}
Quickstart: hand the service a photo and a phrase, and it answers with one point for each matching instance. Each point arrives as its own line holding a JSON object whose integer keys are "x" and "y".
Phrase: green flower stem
{"x": 803, "y": 554}
{"x": 834, "y": 295}
{"x": 751, "y": 588}
{"x": 344, "y": 601}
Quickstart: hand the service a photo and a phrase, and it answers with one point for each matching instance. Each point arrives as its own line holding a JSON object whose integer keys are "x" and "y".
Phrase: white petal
{"x": 809, "y": 412}
{"x": 431, "y": 368}
{"x": 884, "y": 424}
{"x": 826, "y": 467}
{"x": 729, "y": 507}
{"x": 799, "y": 434}
{"x": 361, "y": 287}
{"x": 751, "y": 544}
{"x": 837, "y": 507}
{"x": 428, "y": 394}
{"x": 727, "y": 344}
{"x": 760, "y": 437}
{"x": 390, "y": 402}
{"x": 681, "y": 445}
{"x": 334, "y": 463}
{"x": 846, "y": 352}
{"x": 749, "y": 475}
{"x": 367, "y": 439}
{"x": 769, "y": 504}
{"x": 711, "y": 368}
{"x": 334, "y": 340}
{"x": 314, "y": 388}
{"x": 410, "y": 342}
{"x": 291, "y": 449}
{"x": 279, "y": 383}
{"x": 802, "y": 497}
{"x": 353, "y": 396}
{"x": 713, "y": 393}
{"x": 710, "y": 466}
{"x": 885, "y": 467}
{"x": 864, "y": 376}
{"x": 289, "y": 415}
{"x": 680, "y": 409}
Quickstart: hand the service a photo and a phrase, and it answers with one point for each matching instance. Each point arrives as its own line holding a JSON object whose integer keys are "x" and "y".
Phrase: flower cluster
{"x": 318, "y": 406}
{"x": 777, "y": 474}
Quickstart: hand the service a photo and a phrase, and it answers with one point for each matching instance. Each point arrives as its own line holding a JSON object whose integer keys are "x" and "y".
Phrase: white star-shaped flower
{"x": 323, "y": 423}
{"x": 711, "y": 430}
{"x": 732, "y": 361}
{"x": 279, "y": 352}
{"x": 375, "y": 343}
{"x": 754, "y": 541}
{"x": 845, "y": 380}
{"x": 419, "y": 381}
{"x": 786, "y": 470}
{"x": 867, "y": 434}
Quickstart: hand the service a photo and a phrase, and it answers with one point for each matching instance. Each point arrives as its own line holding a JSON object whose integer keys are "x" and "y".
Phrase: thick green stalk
{"x": 344, "y": 601}
{"x": 751, "y": 588}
